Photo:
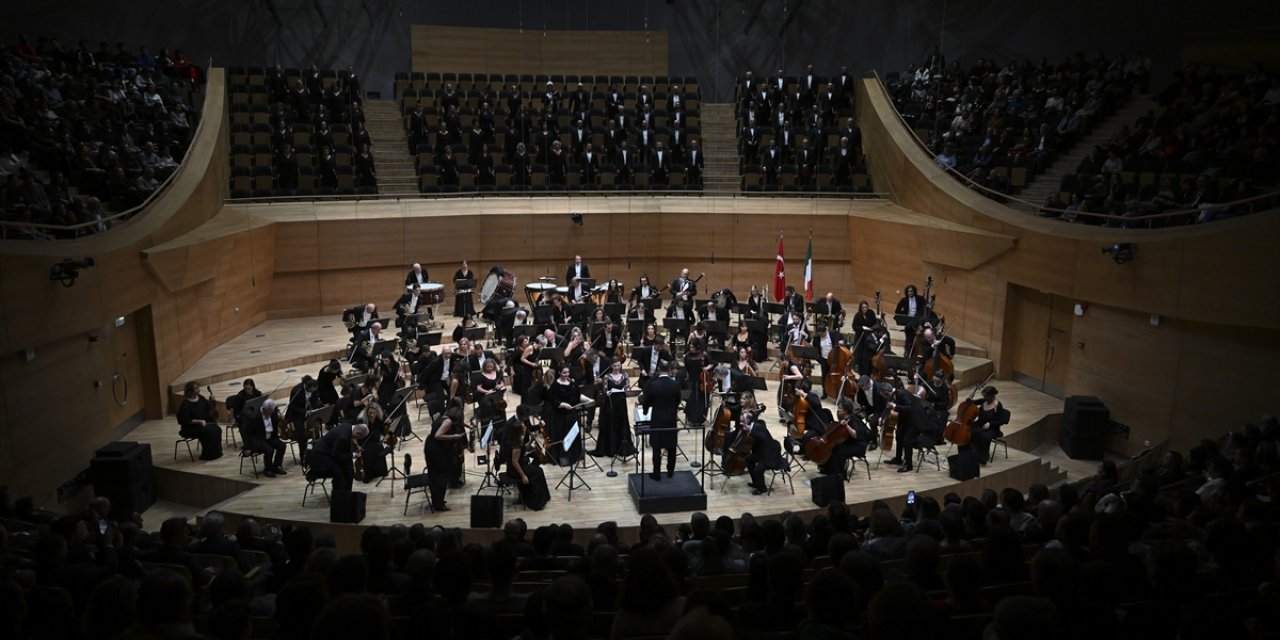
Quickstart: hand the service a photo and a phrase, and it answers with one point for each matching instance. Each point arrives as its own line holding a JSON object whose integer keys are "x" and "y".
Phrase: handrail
{"x": 160, "y": 189}
{"x": 560, "y": 194}
{"x": 997, "y": 195}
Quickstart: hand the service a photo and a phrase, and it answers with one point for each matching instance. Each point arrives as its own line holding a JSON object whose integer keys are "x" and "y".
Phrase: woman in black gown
{"x": 695, "y": 363}
{"x": 525, "y": 467}
{"x": 615, "y": 424}
{"x": 235, "y": 404}
{"x": 462, "y": 302}
{"x": 523, "y": 365}
{"x": 196, "y": 420}
{"x": 446, "y": 433}
{"x": 563, "y": 397}
{"x": 992, "y": 417}
{"x": 488, "y": 393}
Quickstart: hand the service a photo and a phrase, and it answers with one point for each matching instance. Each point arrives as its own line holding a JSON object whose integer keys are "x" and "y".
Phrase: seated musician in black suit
{"x": 333, "y": 455}
{"x": 262, "y": 434}
{"x": 303, "y": 399}
{"x": 362, "y": 353}
{"x": 408, "y": 304}
{"x": 766, "y": 453}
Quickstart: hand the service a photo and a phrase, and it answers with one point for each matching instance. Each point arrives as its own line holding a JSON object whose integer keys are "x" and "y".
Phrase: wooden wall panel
{"x": 535, "y": 51}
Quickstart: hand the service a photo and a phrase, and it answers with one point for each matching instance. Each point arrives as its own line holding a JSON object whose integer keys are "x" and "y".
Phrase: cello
{"x": 715, "y": 438}
{"x": 820, "y": 448}
{"x": 837, "y": 364}
{"x": 734, "y": 461}
{"x": 960, "y": 430}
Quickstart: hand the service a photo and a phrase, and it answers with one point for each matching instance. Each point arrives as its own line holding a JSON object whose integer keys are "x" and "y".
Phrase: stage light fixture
{"x": 68, "y": 270}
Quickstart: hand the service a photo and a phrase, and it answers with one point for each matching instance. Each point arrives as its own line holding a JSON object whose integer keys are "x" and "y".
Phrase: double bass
{"x": 715, "y": 438}
{"x": 837, "y": 365}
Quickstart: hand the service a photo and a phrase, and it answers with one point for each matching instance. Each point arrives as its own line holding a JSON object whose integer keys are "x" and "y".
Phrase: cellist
{"x": 765, "y": 452}
{"x": 854, "y": 446}
{"x": 828, "y": 342}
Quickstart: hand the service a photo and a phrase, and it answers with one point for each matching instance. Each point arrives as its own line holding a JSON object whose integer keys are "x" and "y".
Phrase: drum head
{"x": 539, "y": 286}
{"x": 564, "y": 291}
{"x": 490, "y": 285}
{"x": 432, "y": 286}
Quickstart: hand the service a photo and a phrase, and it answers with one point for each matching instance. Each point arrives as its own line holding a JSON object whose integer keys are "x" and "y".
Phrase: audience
{"x": 84, "y": 134}
{"x": 1137, "y": 551}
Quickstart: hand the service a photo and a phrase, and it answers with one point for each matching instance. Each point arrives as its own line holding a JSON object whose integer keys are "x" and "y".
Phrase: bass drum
{"x": 433, "y": 292}
{"x": 500, "y": 284}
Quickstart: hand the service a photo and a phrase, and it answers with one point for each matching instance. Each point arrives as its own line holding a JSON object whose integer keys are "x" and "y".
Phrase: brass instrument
{"x": 349, "y": 321}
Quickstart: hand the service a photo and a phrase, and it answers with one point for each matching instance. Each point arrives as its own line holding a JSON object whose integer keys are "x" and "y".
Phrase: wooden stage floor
{"x": 292, "y": 344}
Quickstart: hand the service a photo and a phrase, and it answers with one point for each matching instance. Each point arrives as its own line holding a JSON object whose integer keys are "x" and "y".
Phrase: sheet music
{"x": 571, "y": 436}
{"x": 488, "y": 433}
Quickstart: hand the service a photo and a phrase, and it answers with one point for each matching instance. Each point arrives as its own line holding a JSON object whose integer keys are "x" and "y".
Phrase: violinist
{"x": 524, "y": 463}
{"x": 696, "y": 364}
{"x": 196, "y": 420}
{"x": 408, "y": 305}
{"x": 910, "y": 313}
{"x": 303, "y": 399}
{"x": 346, "y": 408}
{"x": 827, "y": 340}
{"x": 989, "y": 425}
{"x": 575, "y": 348}
{"x": 698, "y": 332}
{"x": 446, "y": 431}
{"x": 873, "y": 342}
{"x": 743, "y": 338}
{"x": 915, "y": 428}
{"x": 615, "y": 423}
{"x": 333, "y": 455}
{"x": 388, "y": 373}
{"x": 651, "y": 336}
{"x": 479, "y": 357}
{"x": 560, "y": 310}
{"x": 462, "y": 304}
{"x": 765, "y": 454}
{"x": 261, "y": 434}
{"x": 745, "y": 364}
{"x": 490, "y": 392}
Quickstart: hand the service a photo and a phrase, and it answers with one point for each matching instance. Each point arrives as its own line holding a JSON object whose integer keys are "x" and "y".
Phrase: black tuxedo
{"x": 412, "y": 277}
{"x": 660, "y": 163}
{"x": 269, "y": 445}
{"x": 589, "y": 167}
{"x": 662, "y": 397}
{"x": 569, "y": 274}
{"x": 625, "y": 161}
{"x": 910, "y": 321}
{"x": 333, "y": 457}
{"x": 406, "y": 305}
{"x": 357, "y": 313}
{"x": 693, "y": 169}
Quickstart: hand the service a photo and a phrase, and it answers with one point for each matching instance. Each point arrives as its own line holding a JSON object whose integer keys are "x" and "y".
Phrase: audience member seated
{"x": 86, "y": 134}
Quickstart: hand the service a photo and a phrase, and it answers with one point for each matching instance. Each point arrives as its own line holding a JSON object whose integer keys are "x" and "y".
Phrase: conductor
{"x": 662, "y": 397}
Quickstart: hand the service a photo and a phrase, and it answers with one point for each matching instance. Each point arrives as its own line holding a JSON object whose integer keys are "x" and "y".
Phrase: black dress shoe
{"x": 281, "y": 472}
{"x": 904, "y": 469}
{"x": 671, "y": 473}
{"x": 443, "y": 508}
{"x": 894, "y": 460}
{"x": 655, "y": 476}
{"x": 758, "y": 491}
{"x": 269, "y": 473}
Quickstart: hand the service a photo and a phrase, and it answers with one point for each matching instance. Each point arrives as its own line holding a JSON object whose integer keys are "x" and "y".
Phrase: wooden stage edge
{"x": 218, "y": 486}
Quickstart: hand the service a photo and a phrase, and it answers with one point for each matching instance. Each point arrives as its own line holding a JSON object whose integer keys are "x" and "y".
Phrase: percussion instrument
{"x": 563, "y": 291}
{"x": 536, "y": 290}
{"x": 432, "y": 293}
{"x": 598, "y": 293}
{"x": 498, "y": 285}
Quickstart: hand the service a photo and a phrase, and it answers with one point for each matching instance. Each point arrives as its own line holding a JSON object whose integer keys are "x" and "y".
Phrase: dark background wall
{"x": 713, "y": 39}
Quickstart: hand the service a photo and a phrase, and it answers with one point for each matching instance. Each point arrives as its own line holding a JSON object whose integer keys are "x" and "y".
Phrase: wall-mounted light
{"x": 1121, "y": 252}
{"x": 68, "y": 270}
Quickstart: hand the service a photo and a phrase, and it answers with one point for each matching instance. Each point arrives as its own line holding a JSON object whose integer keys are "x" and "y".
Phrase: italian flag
{"x": 808, "y": 272}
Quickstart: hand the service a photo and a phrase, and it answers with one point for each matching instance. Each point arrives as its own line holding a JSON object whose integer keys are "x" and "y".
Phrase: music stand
{"x": 718, "y": 329}
{"x": 742, "y": 308}
{"x": 677, "y": 326}
{"x": 615, "y": 310}
{"x": 572, "y": 476}
{"x": 755, "y": 383}
{"x": 722, "y": 357}
{"x": 523, "y": 330}
{"x": 475, "y": 333}
{"x": 356, "y": 380}
{"x": 384, "y": 345}
{"x": 430, "y": 339}
{"x": 808, "y": 353}
{"x": 775, "y": 308}
{"x": 551, "y": 353}
{"x": 542, "y": 316}
{"x": 392, "y": 471}
{"x": 587, "y": 283}
{"x": 464, "y": 283}
{"x": 317, "y": 419}
{"x": 635, "y": 327}
{"x": 490, "y": 478}
{"x": 582, "y": 310}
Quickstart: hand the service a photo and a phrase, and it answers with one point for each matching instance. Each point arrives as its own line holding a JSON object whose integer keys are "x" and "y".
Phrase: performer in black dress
{"x": 564, "y": 397}
{"x": 463, "y": 304}
{"x": 235, "y": 404}
{"x": 325, "y": 379}
{"x": 490, "y": 394}
{"x": 695, "y": 364}
{"x": 523, "y": 364}
{"x": 196, "y": 420}
{"x": 525, "y": 466}
{"x": 992, "y": 417}
{"x": 615, "y": 424}
{"x": 446, "y": 433}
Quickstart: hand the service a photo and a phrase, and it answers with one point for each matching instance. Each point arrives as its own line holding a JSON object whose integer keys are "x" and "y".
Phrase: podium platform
{"x": 682, "y": 492}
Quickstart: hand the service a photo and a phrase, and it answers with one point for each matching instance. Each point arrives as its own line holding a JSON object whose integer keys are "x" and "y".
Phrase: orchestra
{"x": 568, "y": 359}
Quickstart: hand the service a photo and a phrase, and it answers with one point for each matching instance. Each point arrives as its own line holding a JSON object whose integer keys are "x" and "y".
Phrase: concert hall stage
{"x": 283, "y": 350}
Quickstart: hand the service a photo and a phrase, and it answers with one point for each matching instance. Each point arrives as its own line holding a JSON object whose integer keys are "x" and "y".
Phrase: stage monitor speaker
{"x": 346, "y": 507}
{"x": 827, "y": 489}
{"x": 486, "y": 512}
{"x": 1081, "y": 447}
{"x": 120, "y": 465}
{"x": 964, "y": 464}
{"x": 1086, "y": 416}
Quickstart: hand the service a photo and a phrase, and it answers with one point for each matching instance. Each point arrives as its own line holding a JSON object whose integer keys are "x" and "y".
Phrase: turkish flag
{"x": 779, "y": 275}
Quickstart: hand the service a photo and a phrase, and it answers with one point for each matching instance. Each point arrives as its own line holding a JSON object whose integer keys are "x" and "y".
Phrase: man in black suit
{"x": 360, "y": 317}
{"x": 261, "y": 434}
{"x": 662, "y": 397}
{"x": 765, "y": 453}
{"x": 626, "y": 161}
{"x": 589, "y": 165}
{"x": 910, "y": 313}
{"x": 750, "y": 141}
{"x": 693, "y": 167}
{"x": 915, "y": 428}
{"x": 660, "y": 164}
{"x": 303, "y": 399}
{"x": 417, "y": 275}
{"x": 649, "y": 358}
{"x": 579, "y": 140}
{"x": 362, "y": 354}
{"x": 577, "y": 270}
{"x": 613, "y": 137}
{"x": 408, "y": 304}
{"x": 333, "y": 454}
{"x": 830, "y": 306}
{"x": 806, "y": 161}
